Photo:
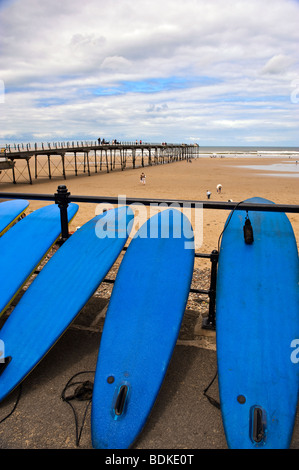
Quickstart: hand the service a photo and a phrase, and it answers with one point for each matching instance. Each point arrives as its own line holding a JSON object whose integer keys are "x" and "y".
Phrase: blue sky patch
{"x": 154, "y": 85}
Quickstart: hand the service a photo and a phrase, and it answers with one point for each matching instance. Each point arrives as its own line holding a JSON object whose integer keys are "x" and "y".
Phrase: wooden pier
{"x": 75, "y": 158}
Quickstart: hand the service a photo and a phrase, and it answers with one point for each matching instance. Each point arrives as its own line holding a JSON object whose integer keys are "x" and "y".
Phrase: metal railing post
{"x": 62, "y": 199}
{"x": 210, "y": 321}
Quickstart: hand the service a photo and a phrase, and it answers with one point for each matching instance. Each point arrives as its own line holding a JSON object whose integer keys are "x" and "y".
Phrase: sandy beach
{"x": 182, "y": 180}
{"x": 186, "y": 181}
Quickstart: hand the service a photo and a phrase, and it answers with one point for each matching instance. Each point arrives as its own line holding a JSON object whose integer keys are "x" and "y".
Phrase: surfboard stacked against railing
{"x": 23, "y": 247}
{"x": 141, "y": 329}
{"x": 256, "y": 318}
{"x": 257, "y": 306}
{"x": 58, "y": 294}
{"x": 10, "y": 212}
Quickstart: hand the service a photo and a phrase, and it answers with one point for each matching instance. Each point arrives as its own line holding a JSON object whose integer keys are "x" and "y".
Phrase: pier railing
{"x": 36, "y": 146}
{"x": 63, "y": 197}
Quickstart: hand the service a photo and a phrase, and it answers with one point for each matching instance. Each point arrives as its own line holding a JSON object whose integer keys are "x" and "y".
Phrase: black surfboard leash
{"x": 15, "y": 405}
{"x": 211, "y": 399}
{"x": 227, "y": 223}
{"x": 82, "y": 392}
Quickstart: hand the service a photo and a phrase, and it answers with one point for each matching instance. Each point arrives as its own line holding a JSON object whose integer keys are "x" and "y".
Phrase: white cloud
{"x": 116, "y": 64}
{"x": 170, "y": 69}
{"x": 278, "y": 64}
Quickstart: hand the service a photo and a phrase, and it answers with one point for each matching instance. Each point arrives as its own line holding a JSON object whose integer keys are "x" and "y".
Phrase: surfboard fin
{"x": 248, "y": 231}
{"x": 258, "y": 425}
{"x": 4, "y": 363}
{"x": 121, "y": 400}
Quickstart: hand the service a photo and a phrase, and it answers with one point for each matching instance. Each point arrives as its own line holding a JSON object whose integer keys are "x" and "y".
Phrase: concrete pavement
{"x": 182, "y": 417}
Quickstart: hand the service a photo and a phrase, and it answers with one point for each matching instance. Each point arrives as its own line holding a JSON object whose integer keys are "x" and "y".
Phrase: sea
{"x": 288, "y": 165}
{"x": 250, "y": 151}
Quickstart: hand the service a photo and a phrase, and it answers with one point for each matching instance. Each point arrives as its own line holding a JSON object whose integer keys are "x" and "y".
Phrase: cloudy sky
{"x": 215, "y": 72}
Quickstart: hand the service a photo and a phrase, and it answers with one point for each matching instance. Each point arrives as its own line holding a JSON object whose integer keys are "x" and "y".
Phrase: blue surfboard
{"x": 23, "y": 247}
{"x": 59, "y": 292}
{"x": 10, "y": 211}
{"x": 257, "y": 318}
{"x": 141, "y": 328}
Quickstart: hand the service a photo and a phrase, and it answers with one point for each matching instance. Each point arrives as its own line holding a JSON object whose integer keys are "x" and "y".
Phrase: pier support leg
{"x": 13, "y": 174}
{"x": 76, "y": 168}
{"x": 121, "y": 159}
{"x": 35, "y": 166}
{"x": 29, "y": 172}
{"x": 63, "y": 165}
{"x": 95, "y": 162}
{"x": 133, "y": 157}
{"x": 107, "y": 163}
{"x": 87, "y": 159}
{"x": 49, "y": 167}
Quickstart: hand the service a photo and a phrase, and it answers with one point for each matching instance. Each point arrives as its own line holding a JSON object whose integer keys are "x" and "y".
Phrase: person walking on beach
{"x": 208, "y": 194}
{"x": 219, "y": 188}
{"x": 142, "y": 178}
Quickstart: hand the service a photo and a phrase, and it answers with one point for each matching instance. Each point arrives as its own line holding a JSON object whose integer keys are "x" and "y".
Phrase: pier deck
{"x": 58, "y": 159}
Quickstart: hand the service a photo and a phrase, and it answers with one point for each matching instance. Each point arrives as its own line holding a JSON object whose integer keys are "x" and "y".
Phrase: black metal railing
{"x": 63, "y": 197}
